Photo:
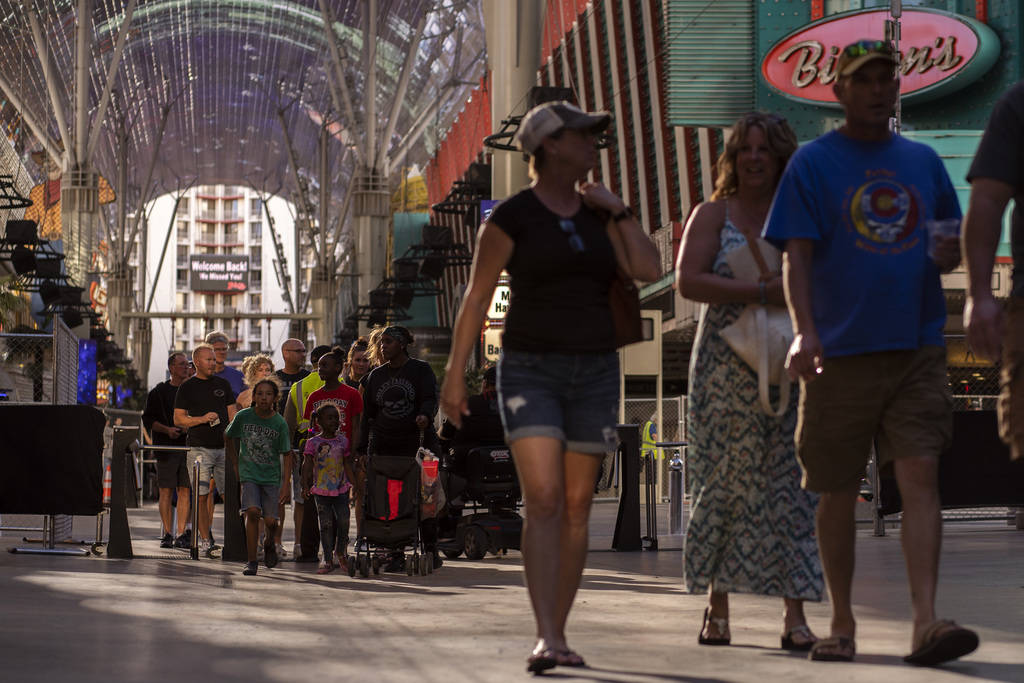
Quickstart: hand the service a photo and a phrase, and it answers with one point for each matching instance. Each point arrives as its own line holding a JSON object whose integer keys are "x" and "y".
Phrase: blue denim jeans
{"x": 572, "y": 397}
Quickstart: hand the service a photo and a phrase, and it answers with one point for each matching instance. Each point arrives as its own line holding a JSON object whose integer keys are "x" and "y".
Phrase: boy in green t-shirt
{"x": 254, "y": 441}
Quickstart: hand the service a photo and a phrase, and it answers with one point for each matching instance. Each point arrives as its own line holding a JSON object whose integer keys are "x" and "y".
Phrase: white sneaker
{"x": 296, "y": 550}
{"x": 281, "y": 554}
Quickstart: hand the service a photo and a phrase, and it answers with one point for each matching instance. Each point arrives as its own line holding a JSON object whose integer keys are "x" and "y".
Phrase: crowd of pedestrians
{"x": 838, "y": 231}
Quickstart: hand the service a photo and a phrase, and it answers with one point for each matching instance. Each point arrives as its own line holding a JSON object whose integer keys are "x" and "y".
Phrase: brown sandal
{"x": 847, "y": 649}
{"x": 942, "y": 641}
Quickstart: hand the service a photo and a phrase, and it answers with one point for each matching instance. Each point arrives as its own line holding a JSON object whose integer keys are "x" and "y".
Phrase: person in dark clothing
{"x": 399, "y": 405}
{"x": 204, "y": 405}
{"x": 171, "y": 466}
{"x": 481, "y": 427}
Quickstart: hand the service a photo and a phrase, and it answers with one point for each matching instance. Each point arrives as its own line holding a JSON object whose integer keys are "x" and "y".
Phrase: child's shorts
{"x": 263, "y": 496}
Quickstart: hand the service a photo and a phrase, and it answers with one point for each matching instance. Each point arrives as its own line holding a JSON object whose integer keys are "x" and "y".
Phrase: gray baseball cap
{"x": 551, "y": 117}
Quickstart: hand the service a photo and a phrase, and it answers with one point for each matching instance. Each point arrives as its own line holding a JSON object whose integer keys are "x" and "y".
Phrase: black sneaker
{"x": 438, "y": 562}
{"x": 269, "y": 555}
{"x": 213, "y": 543}
{"x": 250, "y": 568}
{"x": 167, "y": 541}
{"x": 183, "y": 541}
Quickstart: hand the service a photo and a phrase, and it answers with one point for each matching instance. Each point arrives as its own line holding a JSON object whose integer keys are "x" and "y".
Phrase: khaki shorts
{"x": 898, "y": 399}
{"x": 1011, "y": 380}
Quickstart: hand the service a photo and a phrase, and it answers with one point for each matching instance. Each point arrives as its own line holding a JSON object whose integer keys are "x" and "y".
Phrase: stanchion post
{"x": 194, "y": 549}
{"x": 234, "y": 529}
{"x": 627, "y": 521}
{"x": 675, "y": 495}
{"x": 120, "y": 544}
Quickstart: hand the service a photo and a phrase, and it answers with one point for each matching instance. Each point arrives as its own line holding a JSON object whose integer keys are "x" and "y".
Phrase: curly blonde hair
{"x": 778, "y": 135}
{"x": 373, "y": 347}
{"x": 252, "y": 364}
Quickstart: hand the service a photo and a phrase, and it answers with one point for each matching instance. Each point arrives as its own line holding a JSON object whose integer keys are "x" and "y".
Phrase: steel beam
{"x": 147, "y": 188}
{"x": 43, "y": 53}
{"x": 163, "y": 252}
{"x": 339, "y": 74}
{"x": 217, "y": 316}
{"x": 403, "y": 84}
{"x": 83, "y": 31}
{"x": 306, "y": 210}
{"x": 38, "y": 130}
{"x": 115, "y": 61}
{"x": 370, "y": 106}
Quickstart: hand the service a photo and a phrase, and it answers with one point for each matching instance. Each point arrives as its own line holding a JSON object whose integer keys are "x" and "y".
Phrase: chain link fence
{"x": 673, "y": 416}
{"x": 41, "y": 368}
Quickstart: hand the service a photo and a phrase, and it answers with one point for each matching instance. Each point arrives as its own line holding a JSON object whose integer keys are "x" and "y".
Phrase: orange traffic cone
{"x": 106, "y": 485}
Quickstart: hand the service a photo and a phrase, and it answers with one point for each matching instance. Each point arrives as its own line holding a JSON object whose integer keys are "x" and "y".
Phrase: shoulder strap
{"x": 755, "y": 250}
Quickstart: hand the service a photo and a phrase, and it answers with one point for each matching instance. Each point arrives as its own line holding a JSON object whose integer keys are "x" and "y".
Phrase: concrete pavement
{"x": 154, "y": 620}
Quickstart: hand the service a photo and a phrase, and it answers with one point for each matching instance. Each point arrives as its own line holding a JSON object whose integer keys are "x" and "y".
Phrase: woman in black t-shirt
{"x": 560, "y": 240}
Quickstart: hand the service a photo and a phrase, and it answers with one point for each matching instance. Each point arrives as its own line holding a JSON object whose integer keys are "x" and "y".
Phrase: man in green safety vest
{"x": 648, "y": 441}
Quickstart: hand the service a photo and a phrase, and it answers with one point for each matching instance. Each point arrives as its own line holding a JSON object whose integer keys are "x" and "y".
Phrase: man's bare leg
{"x": 836, "y": 529}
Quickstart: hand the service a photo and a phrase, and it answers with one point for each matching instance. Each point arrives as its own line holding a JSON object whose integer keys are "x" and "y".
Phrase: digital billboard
{"x": 218, "y": 273}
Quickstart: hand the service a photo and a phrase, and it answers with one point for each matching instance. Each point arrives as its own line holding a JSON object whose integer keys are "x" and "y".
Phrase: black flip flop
{"x": 540, "y": 662}
{"x": 937, "y": 648}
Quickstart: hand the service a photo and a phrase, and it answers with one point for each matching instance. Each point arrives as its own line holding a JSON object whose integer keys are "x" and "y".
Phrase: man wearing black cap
{"x": 863, "y": 289}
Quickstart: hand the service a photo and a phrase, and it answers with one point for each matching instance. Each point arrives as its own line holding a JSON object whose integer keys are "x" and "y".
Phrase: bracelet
{"x": 761, "y": 291}
{"x": 625, "y": 213}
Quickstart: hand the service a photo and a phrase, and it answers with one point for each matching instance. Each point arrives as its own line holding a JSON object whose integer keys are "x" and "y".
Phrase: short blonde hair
{"x": 201, "y": 347}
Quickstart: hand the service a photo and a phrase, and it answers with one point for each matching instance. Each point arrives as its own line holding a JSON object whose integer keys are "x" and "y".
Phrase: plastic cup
{"x": 943, "y": 227}
{"x": 430, "y": 468}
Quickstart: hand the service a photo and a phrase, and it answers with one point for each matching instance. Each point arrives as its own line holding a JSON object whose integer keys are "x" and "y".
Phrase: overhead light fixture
{"x": 22, "y": 232}
{"x": 23, "y": 259}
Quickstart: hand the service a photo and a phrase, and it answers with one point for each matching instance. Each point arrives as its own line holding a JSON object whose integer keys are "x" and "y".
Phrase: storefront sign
{"x": 492, "y": 343}
{"x": 218, "y": 273}
{"x": 499, "y": 302}
{"x": 940, "y": 53}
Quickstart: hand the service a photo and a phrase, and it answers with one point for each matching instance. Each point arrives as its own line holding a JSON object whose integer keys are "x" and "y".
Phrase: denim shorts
{"x": 211, "y": 466}
{"x": 572, "y": 397}
{"x": 262, "y": 496}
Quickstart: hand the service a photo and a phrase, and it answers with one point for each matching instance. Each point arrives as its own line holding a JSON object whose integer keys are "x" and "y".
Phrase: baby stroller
{"x": 390, "y": 518}
{"x": 486, "y": 481}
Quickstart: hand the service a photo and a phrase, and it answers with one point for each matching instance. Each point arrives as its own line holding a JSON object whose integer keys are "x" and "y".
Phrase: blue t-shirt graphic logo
{"x": 883, "y": 211}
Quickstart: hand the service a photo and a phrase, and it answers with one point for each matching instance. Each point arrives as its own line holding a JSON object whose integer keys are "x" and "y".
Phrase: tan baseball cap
{"x": 551, "y": 117}
{"x": 855, "y": 55}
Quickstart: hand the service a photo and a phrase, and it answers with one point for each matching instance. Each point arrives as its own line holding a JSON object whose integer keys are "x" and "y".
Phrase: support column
{"x": 79, "y": 199}
{"x": 371, "y": 209}
{"x": 513, "y": 49}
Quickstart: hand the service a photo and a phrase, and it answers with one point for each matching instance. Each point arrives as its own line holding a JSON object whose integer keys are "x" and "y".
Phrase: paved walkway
{"x": 154, "y": 620}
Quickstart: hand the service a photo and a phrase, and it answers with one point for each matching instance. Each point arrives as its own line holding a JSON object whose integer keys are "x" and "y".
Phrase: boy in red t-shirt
{"x": 350, "y": 409}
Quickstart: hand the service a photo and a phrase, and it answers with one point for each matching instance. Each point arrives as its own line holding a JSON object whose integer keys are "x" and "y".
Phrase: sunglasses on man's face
{"x": 575, "y": 241}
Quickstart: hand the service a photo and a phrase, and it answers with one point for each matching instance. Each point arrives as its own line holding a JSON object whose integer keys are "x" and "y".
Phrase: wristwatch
{"x": 625, "y": 213}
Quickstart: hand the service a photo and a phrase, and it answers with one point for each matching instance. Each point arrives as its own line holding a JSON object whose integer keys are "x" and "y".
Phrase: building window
{"x": 183, "y": 206}
{"x": 255, "y": 206}
{"x": 256, "y": 278}
{"x": 182, "y": 280}
{"x": 183, "y": 253}
{"x": 181, "y": 301}
{"x": 255, "y": 256}
{"x": 255, "y": 302}
{"x": 255, "y": 230}
{"x": 231, "y": 208}
{"x": 231, "y": 234}
{"x": 234, "y": 249}
{"x": 209, "y": 302}
{"x": 255, "y": 346}
{"x": 183, "y": 230}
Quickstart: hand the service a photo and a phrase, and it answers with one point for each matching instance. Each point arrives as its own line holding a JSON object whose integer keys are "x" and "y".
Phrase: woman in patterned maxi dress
{"x": 751, "y": 526}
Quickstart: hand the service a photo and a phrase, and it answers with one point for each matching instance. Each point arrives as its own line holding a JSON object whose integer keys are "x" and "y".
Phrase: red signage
{"x": 940, "y": 52}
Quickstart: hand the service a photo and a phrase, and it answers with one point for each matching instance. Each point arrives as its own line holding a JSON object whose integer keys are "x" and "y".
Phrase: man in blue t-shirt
{"x": 219, "y": 342}
{"x": 862, "y": 285}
